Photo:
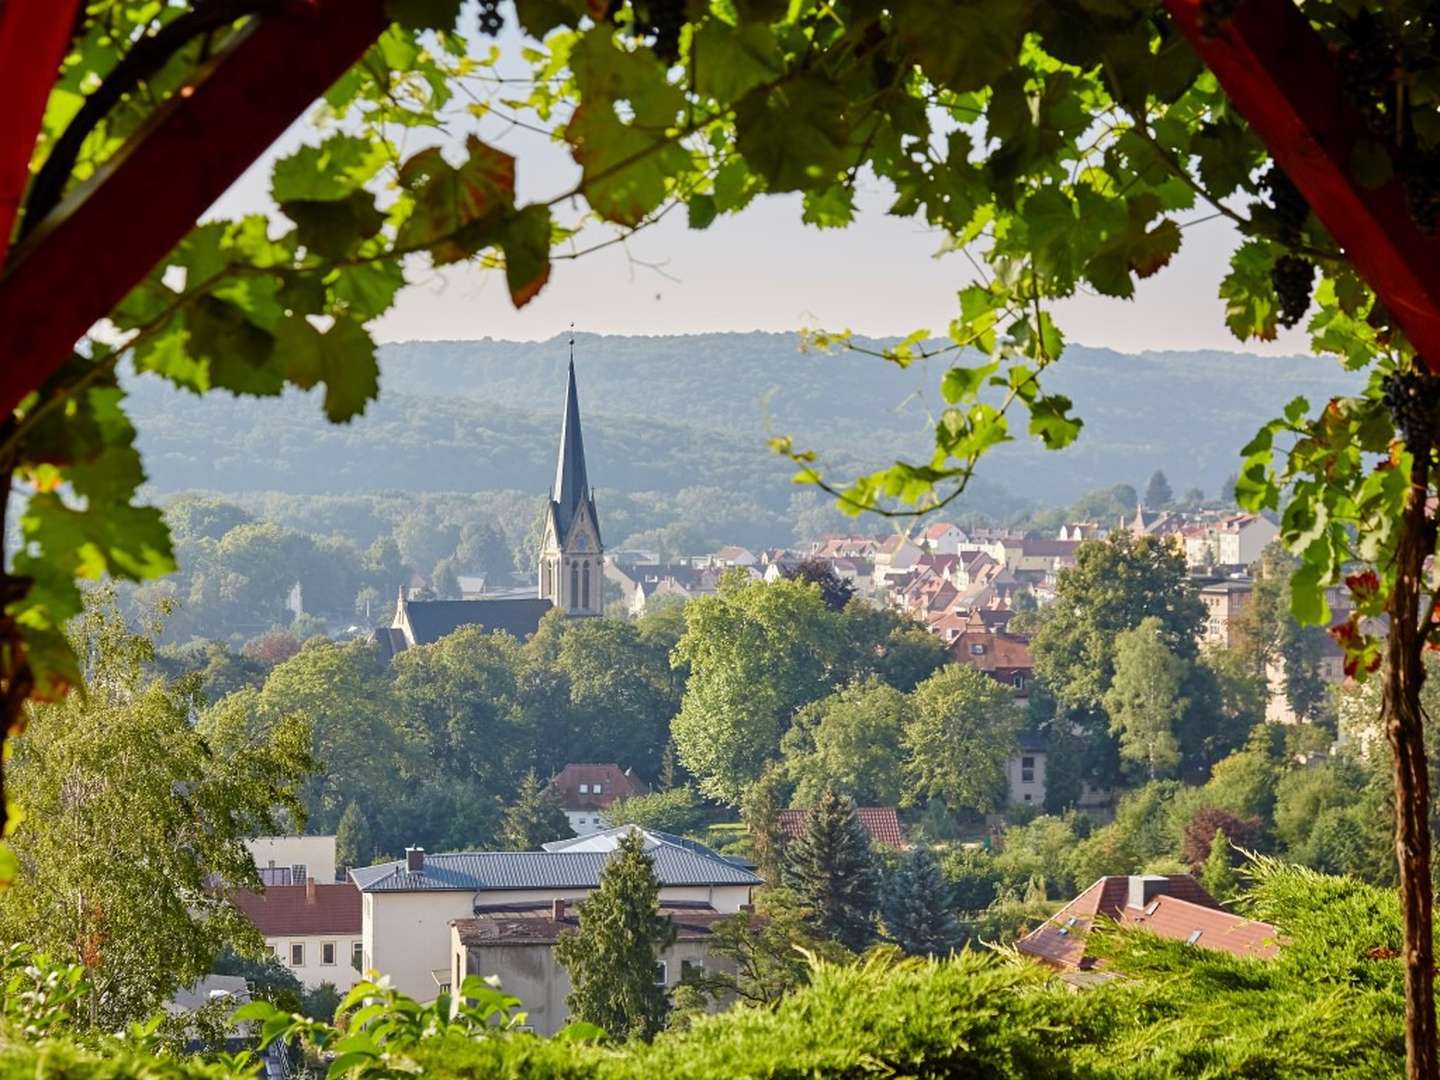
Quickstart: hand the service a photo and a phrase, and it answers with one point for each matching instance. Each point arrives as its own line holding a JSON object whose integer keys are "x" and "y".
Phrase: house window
{"x": 977, "y": 649}
{"x": 1027, "y": 770}
{"x": 584, "y": 789}
{"x": 596, "y": 789}
{"x": 1028, "y": 799}
{"x": 1019, "y": 682}
{"x": 691, "y": 969}
{"x": 297, "y": 954}
{"x": 327, "y": 953}
{"x": 357, "y": 955}
{"x": 662, "y": 970}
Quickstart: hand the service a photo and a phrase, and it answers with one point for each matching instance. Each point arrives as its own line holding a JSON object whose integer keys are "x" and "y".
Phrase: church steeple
{"x": 572, "y": 560}
{"x": 572, "y": 488}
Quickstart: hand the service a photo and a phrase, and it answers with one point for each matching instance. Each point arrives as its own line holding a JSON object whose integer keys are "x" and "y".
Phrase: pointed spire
{"x": 572, "y": 487}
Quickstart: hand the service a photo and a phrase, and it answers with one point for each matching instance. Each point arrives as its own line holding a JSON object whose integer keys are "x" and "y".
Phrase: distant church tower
{"x": 571, "y": 555}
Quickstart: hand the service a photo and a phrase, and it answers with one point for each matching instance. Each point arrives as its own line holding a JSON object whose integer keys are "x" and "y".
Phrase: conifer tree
{"x": 1218, "y": 874}
{"x": 760, "y": 810}
{"x": 833, "y": 871}
{"x": 354, "y": 843}
{"x": 612, "y": 958}
{"x": 1158, "y": 494}
{"x": 535, "y": 817}
{"x": 919, "y": 907}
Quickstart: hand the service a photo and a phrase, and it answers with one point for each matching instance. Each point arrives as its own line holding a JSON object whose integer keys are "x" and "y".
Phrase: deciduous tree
{"x": 961, "y": 732}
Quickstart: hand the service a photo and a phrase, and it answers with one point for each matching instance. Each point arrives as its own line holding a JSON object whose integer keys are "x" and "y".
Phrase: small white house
{"x": 290, "y": 860}
{"x": 1025, "y": 774}
{"x": 408, "y": 905}
{"x": 313, "y": 929}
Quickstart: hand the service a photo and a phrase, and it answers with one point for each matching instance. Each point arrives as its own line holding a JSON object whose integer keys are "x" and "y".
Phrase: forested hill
{"x": 668, "y": 413}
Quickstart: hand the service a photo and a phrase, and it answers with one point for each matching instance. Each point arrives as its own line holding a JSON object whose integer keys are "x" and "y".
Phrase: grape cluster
{"x": 1413, "y": 398}
{"x": 1288, "y": 204}
{"x": 1422, "y": 191}
{"x": 1367, "y": 66}
{"x": 1214, "y": 14}
{"x": 1292, "y": 278}
{"x": 661, "y": 20}
{"x": 491, "y": 21}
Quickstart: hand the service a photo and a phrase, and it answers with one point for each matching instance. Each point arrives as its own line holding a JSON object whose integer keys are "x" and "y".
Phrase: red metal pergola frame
{"x": 1286, "y": 82}
{"x": 108, "y": 233}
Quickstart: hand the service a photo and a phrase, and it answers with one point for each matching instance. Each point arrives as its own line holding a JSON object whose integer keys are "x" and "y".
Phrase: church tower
{"x": 571, "y": 555}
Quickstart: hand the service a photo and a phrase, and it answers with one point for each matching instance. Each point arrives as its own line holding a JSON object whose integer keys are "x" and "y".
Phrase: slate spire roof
{"x": 572, "y": 487}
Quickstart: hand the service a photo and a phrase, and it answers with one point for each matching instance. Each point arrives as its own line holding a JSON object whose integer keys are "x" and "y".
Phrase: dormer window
{"x": 584, "y": 789}
{"x": 977, "y": 649}
{"x": 596, "y": 789}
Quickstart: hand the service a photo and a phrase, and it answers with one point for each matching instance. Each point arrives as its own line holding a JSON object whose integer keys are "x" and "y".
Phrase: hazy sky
{"x": 764, "y": 270}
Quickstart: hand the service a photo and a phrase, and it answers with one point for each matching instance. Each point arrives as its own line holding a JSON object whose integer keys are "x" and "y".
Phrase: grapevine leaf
{"x": 526, "y": 241}
{"x": 343, "y": 358}
{"x": 795, "y": 137}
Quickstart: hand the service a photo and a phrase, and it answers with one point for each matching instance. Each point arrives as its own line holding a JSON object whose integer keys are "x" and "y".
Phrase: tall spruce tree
{"x": 535, "y": 817}
{"x": 354, "y": 843}
{"x": 612, "y": 958}
{"x": 919, "y": 907}
{"x": 833, "y": 871}
{"x": 1158, "y": 494}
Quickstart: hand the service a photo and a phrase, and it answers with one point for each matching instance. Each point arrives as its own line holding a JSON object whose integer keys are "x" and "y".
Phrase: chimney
{"x": 415, "y": 860}
{"x": 557, "y": 910}
{"x": 1145, "y": 887}
{"x": 309, "y": 890}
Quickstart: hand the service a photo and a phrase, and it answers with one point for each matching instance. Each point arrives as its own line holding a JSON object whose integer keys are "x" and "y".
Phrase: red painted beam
{"x": 110, "y": 231}
{"x": 1283, "y": 78}
{"x": 33, "y": 37}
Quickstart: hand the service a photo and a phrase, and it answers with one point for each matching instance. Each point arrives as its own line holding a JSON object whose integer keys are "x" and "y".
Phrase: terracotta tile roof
{"x": 536, "y": 924}
{"x": 935, "y": 530}
{"x": 1000, "y": 651}
{"x": 614, "y": 783}
{"x": 880, "y": 822}
{"x": 286, "y": 911}
{"x": 1180, "y": 909}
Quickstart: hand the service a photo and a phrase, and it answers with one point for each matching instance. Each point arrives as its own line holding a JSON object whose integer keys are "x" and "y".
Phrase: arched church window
{"x": 574, "y": 583}
{"x": 546, "y": 589}
{"x": 585, "y": 590}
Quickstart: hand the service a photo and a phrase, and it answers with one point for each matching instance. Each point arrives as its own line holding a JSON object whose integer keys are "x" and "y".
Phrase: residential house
{"x": 943, "y": 538}
{"x": 881, "y": 824}
{"x": 313, "y": 929}
{"x": 1004, "y": 657}
{"x": 1038, "y": 556}
{"x": 290, "y": 860}
{"x": 729, "y": 556}
{"x": 1083, "y": 530}
{"x": 1025, "y": 772}
{"x": 1240, "y": 538}
{"x": 408, "y": 905}
{"x": 586, "y": 790}
{"x": 1224, "y": 601}
{"x": 516, "y": 943}
{"x": 1173, "y": 906}
{"x": 894, "y": 556}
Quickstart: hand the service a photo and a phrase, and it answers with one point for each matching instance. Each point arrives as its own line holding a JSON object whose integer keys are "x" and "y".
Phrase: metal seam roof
{"x": 492, "y": 870}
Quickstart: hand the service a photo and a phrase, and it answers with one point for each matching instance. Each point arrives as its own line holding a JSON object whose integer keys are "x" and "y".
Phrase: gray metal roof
{"x": 431, "y": 620}
{"x": 489, "y": 870}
